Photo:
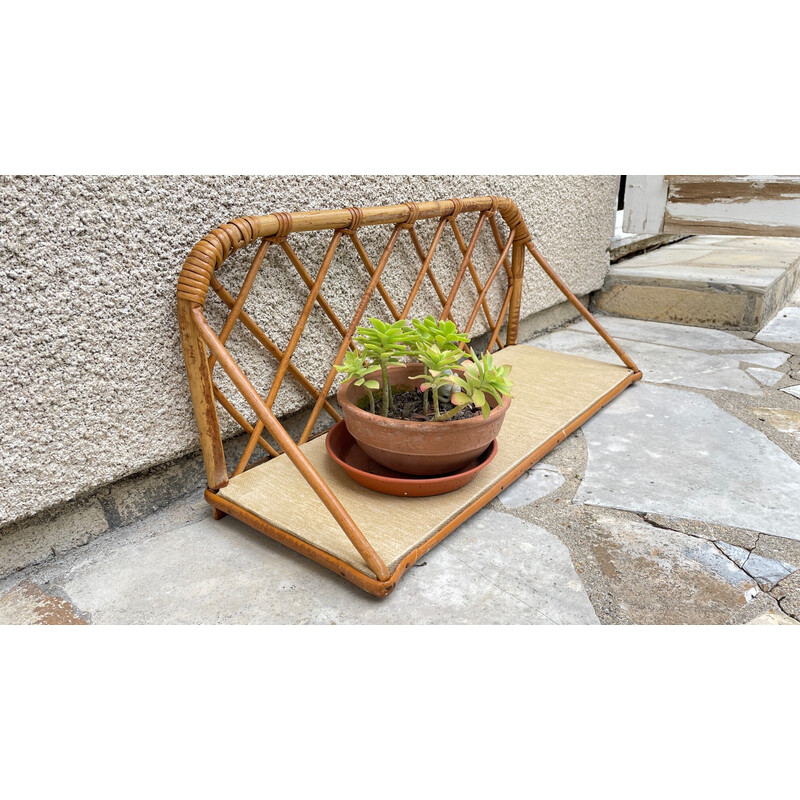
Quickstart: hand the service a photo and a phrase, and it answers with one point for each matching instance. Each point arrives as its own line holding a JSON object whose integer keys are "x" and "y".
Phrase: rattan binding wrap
{"x": 209, "y": 254}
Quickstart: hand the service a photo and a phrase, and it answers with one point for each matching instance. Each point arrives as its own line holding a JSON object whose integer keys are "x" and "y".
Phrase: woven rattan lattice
{"x": 320, "y": 523}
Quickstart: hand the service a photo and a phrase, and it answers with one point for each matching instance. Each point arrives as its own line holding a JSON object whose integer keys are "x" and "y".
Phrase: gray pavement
{"x": 679, "y": 503}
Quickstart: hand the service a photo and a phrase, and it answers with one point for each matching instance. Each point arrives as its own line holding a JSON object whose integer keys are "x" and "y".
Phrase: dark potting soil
{"x": 408, "y": 405}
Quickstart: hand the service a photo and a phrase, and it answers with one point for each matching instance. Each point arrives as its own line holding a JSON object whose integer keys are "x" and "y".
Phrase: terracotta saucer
{"x": 344, "y": 450}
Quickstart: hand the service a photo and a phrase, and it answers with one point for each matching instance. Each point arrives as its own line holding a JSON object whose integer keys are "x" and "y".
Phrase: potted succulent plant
{"x": 417, "y": 403}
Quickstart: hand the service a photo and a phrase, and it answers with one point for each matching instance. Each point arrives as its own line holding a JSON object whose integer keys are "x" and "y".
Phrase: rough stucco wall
{"x": 92, "y": 383}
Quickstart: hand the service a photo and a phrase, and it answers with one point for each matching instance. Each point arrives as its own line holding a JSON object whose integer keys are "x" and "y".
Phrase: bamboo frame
{"x": 204, "y": 349}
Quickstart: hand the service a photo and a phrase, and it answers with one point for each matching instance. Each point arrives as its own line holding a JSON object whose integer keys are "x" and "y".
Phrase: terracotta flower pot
{"x": 417, "y": 448}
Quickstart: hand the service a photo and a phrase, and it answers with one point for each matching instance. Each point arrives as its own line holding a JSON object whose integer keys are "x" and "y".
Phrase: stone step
{"x": 735, "y": 282}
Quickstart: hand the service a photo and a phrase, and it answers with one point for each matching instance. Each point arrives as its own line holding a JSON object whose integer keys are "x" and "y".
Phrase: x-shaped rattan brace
{"x": 481, "y": 298}
{"x": 473, "y": 273}
{"x": 242, "y": 422}
{"x": 284, "y": 357}
{"x": 269, "y": 345}
{"x": 496, "y": 332}
{"x": 498, "y": 240}
{"x": 464, "y": 263}
{"x": 429, "y": 269}
{"x": 307, "y": 280}
{"x": 507, "y": 299}
{"x": 283, "y": 366}
{"x": 426, "y": 265}
{"x": 371, "y": 270}
{"x": 238, "y": 304}
{"x": 362, "y": 307}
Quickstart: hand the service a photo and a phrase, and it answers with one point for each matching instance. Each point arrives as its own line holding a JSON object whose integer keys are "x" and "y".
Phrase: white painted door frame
{"x": 749, "y": 205}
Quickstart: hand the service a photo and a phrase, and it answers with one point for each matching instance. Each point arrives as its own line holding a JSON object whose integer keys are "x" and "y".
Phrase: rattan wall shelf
{"x": 297, "y": 496}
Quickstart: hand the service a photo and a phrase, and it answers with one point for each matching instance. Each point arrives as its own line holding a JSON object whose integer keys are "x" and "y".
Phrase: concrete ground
{"x": 679, "y": 503}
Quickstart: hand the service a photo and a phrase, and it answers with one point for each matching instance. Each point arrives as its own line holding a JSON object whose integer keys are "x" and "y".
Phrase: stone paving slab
{"x": 530, "y": 487}
{"x": 686, "y": 337}
{"x": 789, "y": 244}
{"x": 662, "y": 450}
{"x": 773, "y": 618}
{"x": 787, "y": 592}
{"x": 759, "y": 254}
{"x": 494, "y": 569}
{"x": 766, "y": 257}
{"x": 783, "y": 331}
{"x": 771, "y": 360}
{"x": 704, "y": 304}
{"x": 659, "y": 363}
{"x": 767, "y": 377}
{"x": 765, "y": 571}
{"x": 783, "y": 419}
{"x": 754, "y": 278}
{"x": 715, "y": 360}
{"x": 662, "y": 577}
{"x": 704, "y": 281}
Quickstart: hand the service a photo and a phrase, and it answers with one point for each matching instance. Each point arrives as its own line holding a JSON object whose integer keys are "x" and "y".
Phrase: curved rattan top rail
{"x": 204, "y": 348}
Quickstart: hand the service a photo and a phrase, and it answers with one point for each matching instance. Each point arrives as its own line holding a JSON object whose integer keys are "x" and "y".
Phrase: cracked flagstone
{"x": 793, "y": 390}
{"x": 769, "y": 377}
{"x": 530, "y": 487}
{"x": 665, "y": 577}
{"x": 766, "y": 571}
{"x": 662, "y": 450}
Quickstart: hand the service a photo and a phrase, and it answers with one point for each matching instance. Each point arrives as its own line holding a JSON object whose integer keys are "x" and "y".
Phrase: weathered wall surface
{"x": 92, "y": 384}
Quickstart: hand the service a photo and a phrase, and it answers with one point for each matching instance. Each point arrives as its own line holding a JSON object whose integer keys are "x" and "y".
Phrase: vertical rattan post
{"x": 517, "y": 271}
{"x": 202, "y": 391}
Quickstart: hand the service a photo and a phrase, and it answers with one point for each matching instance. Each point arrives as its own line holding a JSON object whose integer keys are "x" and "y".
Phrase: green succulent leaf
{"x": 352, "y": 365}
{"x": 435, "y": 344}
{"x": 442, "y": 333}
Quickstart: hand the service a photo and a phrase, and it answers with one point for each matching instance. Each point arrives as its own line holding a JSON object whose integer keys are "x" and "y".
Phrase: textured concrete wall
{"x": 92, "y": 384}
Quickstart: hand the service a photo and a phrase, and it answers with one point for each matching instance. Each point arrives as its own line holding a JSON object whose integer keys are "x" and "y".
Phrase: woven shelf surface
{"x": 551, "y": 390}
